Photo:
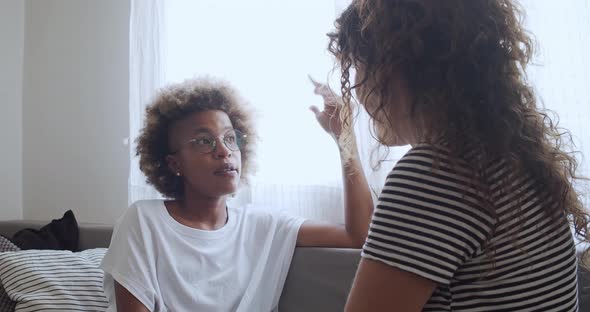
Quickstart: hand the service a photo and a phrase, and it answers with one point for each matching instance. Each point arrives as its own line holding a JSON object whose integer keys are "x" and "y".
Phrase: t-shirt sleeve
{"x": 129, "y": 260}
{"x": 426, "y": 221}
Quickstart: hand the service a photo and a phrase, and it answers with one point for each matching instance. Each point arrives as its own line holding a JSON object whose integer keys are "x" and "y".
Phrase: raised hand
{"x": 329, "y": 117}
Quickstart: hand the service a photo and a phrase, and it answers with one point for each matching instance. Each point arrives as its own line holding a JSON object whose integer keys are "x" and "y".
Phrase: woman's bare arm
{"x": 126, "y": 301}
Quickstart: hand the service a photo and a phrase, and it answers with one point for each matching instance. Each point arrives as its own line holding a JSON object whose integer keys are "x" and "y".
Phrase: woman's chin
{"x": 228, "y": 189}
{"x": 218, "y": 189}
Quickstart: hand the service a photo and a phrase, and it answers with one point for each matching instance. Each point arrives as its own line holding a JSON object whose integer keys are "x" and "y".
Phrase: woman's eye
{"x": 202, "y": 141}
{"x": 230, "y": 138}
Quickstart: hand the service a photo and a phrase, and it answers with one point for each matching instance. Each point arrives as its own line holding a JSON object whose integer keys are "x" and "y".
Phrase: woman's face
{"x": 393, "y": 121}
{"x": 206, "y": 170}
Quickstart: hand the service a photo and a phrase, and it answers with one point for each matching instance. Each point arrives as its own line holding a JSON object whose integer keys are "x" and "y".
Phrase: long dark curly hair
{"x": 177, "y": 101}
{"x": 464, "y": 63}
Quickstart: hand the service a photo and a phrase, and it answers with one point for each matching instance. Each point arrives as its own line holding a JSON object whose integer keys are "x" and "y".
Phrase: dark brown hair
{"x": 464, "y": 63}
{"x": 176, "y": 102}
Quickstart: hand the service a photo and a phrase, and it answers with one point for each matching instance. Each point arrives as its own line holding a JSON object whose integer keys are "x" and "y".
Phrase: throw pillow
{"x": 59, "y": 234}
{"x": 7, "y": 245}
{"x": 58, "y": 280}
{"x": 6, "y": 305}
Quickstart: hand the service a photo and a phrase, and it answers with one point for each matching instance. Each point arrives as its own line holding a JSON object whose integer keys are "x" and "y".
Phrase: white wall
{"x": 12, "y": 14}
{"x": 75, "y": 109}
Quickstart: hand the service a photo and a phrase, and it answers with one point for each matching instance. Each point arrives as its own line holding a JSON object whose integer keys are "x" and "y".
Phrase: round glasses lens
{"x": 203, "y": 144}
{"x": 234, "y": 140}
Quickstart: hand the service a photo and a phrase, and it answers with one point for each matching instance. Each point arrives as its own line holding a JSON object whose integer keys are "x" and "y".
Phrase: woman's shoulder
{"x": 424, "y": 155}
{"x": 437, "y": 157}
{"x": 150, "y": 204}
{"x": 433, "y": 165}
{"x": 266, "y": 216}
{"x": 141, "y": 211}
{"x": 253, "y": 213}
{"x": 438, "y": 149}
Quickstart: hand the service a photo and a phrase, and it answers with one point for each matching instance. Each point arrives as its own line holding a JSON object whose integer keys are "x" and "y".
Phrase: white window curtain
{"x": 146, "y": 28}
{"x": 266, "y": 49}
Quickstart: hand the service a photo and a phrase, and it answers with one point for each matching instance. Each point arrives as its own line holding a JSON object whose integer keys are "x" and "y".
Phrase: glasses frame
{"x": 240, "y": 137}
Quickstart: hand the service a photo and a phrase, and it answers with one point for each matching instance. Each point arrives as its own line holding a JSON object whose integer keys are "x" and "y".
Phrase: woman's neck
{"x": 205, "y": 213}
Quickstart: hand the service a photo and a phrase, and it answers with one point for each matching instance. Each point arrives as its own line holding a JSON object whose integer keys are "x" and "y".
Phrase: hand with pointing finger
{"x": 329, "y": 117}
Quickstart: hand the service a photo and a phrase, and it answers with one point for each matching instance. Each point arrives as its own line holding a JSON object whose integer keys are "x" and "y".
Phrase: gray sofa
{"x": 319, "y": 278}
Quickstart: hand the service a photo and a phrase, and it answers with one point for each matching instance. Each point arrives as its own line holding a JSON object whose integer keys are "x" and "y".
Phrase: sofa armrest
{"x": 319, "y": 279}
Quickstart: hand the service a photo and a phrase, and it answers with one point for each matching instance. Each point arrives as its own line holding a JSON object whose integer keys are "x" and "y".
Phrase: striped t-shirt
{"x": 429, "y": 222}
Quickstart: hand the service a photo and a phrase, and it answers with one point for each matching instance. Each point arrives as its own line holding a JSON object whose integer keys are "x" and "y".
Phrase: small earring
{"x": 178, "y": 173}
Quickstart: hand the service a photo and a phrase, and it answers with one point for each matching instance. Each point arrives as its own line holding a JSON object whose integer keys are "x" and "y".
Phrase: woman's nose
{"x": 221, "y": 151}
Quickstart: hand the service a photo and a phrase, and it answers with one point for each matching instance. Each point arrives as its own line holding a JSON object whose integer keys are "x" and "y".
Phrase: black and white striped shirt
{"x": 429, "y": 222}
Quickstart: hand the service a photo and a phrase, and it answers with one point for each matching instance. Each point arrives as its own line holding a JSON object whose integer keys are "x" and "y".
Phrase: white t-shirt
{"x": 171, "y": 267}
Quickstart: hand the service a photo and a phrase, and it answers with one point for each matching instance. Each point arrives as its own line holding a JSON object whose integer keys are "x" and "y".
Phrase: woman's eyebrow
{"x": 208, "y": 131}
{"x": 201, "y": 130}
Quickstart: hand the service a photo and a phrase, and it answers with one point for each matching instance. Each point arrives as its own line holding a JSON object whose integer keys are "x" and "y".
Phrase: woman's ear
{"x": 173, "y": 164}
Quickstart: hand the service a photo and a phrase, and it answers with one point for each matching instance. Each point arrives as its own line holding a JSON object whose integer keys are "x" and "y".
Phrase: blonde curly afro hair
{"x": 177, "y": 101}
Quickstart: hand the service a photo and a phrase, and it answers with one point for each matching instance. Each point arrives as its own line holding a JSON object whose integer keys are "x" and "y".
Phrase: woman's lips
{"x": 226, "y": 172}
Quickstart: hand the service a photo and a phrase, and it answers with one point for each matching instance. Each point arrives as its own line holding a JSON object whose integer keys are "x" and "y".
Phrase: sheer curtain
{"x": 266, "y": 49}
{"x": 146, "y": 28}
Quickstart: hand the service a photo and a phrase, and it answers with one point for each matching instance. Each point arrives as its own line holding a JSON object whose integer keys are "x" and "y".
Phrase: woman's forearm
{"x": 358, "y": 202}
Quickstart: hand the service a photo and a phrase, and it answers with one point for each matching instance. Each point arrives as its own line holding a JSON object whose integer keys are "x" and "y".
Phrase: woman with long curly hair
{"x": 476, "y": 216}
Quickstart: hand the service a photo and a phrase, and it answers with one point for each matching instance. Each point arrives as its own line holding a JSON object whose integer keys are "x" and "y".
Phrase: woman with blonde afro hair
{"x": 194, "y": 251}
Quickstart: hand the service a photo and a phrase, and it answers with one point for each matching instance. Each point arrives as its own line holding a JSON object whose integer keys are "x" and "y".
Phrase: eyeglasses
{"x": 206, "y": 142}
